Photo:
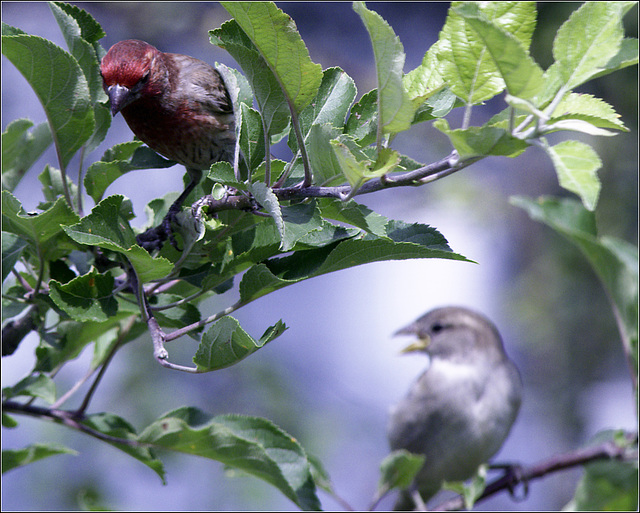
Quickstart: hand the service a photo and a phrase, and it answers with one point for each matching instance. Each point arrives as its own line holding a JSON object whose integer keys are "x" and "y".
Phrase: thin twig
{"x": 267, "y": 155}
{"x": 444, "y": 167}
{"x": 295, "y": 122}
{"x": 196, "y": 325}
{"x": 80, "y": 181}
{"x": 157, "y": 335}
{"x": 63, "y": 398}
{"x": 121, "y": 336}
{"x": 68, "y": 419}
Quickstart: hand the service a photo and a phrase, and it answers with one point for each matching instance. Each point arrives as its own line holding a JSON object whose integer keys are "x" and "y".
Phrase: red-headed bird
{"x": 176, "y": 104}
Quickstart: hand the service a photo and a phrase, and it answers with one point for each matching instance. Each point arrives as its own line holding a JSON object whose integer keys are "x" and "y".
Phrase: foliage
{"x": 289, "y": 221}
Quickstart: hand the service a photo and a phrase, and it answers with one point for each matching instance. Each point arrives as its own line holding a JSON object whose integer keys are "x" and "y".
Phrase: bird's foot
{"x": 154, "y": 238}
{"x": 514, "y": 475}
{"x": 166, "y": 225}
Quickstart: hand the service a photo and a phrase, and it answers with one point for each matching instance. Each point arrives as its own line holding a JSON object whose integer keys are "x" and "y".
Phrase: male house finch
{"x": 176, "y": 104}
{"x": 460, "y": 410}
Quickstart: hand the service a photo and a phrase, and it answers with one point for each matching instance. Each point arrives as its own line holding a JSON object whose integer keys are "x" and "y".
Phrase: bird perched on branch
{"x": 176, "y": 104}
{"x": 460, "y": 410}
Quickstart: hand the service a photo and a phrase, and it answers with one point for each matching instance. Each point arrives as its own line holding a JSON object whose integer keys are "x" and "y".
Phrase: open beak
{"x": 419, "y": 345}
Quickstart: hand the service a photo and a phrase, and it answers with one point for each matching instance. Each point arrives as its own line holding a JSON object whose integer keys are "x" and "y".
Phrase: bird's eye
{"x": 144, "y": 79}
{"x": 437, "y": 327}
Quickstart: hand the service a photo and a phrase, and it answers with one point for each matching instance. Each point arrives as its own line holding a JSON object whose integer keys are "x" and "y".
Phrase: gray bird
{"x": 460, "y": 410}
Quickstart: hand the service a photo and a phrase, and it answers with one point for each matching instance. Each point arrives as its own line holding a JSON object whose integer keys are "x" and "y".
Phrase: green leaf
{"x": 222, "y": 173}
{"x": 515, "y": 18}
{"x": 299, "y": 221}
{"x": 91, "y": 30}
{"x": 521, "y": 74}
{"x": 8, "y": 421}
{"x": 399, "y": 469}
{"x": 466, "y": 64}
{"x": 237, "y": 85}
{"x": 14, "y": 458}
{"x": 21, "y": 147}
{"x": 485, "y": 140}
{"x": 251, "y": 444}
{"x": 614, "y": 261}
{"x": 400, "y": 241}
{"x": 354, "y": 214}
{"x": 117, "y": 161}
{"x": 52, "y": 181}
{"x": 425, "y": 80}
{"x": 269, "y": 96}
{"x": 72, "y": 337}
{"x": 251, "y": 136}
{"x": 107, "y": 227}
{"x": 102, "y": 117}
{"x": 115, "y": 426}
{"x": 330, "y": 107}
{"x": 332, "y": 102}
{"x": 437, "y": 106}
{"x": 43, "y": 231}
{"x": 609, "y": 485}
{"x": 12, "y": 248}
{"x": 627, "y": 56}
{"x": 34, "y": 385}
{"x": 577, "y": 125}
{"x": 320, "y": 475}
{"x": 324, "y": 163}
{"x": 259, "y": 281}
{"x": 325, "y": 235}
{"x": 8, "y": 30}
{"x": 395, "y": 108}
{"x": 362, "y": 124}
{"x": 353, "y": 169}
{"x": 264, "y": 195}
{"x": 86, "y": 298}
{"x": 82, "y": 50}
{"x": 576, "y": 165}
{"x": 472, "y": 491}
{"x": 588, "y": 108}
{"x": 226, "y": 343}
{"x": 403, "y": 241}
{"x": 61, "y": 87}
{"x": 104, "y": 226}
{"x": 253, "y": 243}
{"x": 387, "y": 161}
{"x": 276, "y": 38}
{"x": 588, "y": 40}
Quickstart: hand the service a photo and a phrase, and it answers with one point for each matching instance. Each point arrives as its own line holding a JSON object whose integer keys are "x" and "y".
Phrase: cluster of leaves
{"x": 79, "y": 268}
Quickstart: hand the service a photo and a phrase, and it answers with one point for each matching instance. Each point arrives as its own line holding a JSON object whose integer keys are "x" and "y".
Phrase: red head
{"x": 132, "y": 69}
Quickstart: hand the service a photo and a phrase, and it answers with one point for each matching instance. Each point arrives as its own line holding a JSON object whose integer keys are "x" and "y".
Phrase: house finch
{"x": 176, "y": 104}
{"x": 460, "y": 410}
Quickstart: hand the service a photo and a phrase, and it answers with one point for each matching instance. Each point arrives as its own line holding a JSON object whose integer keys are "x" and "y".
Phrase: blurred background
{"x": 332, "y": 377}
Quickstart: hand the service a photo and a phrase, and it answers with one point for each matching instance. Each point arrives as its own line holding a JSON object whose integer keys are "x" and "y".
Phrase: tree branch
{"x": 425, "y": 174}
{"x": 69, "y": 419}
{"x": 609, "y": 450}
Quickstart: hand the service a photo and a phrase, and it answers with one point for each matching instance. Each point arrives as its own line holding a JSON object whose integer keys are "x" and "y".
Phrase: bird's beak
{"x": 119, "y": 97}
{"x": 419, "y": 345}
